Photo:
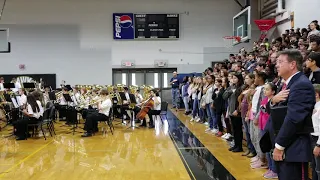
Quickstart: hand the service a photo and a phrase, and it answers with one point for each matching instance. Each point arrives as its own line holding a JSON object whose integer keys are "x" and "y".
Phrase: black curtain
{"x": 48, "y": 79}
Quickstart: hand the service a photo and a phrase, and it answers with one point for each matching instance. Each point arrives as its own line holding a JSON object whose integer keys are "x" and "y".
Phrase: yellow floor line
{"x": 24, "y": 159}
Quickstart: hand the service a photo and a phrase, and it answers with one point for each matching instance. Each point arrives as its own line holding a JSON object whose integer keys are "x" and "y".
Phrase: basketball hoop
{"x": 230, "y": 41}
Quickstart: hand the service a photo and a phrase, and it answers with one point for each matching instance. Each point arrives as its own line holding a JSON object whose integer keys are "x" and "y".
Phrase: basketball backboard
{"x": 4, "y": 40}
{"x": 242, "y": 25}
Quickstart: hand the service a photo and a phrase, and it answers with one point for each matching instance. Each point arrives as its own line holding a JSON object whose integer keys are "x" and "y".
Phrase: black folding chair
{"x": 164, "y": 110}
{"x": 41, "y": 123}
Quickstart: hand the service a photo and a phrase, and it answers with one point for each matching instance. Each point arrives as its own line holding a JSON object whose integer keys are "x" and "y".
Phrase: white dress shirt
{"x": 157, "y": 106}
{"x": 23, "y": 100}
{"x": 63, "y": 102}
{"x": 36, "y": 115}
{"x": 316, "y": 121}
{"x": 17, "y": 86}
{"x": 104, "y": 107}
{"x": 139, "y": 98}
{"x": 1, "y": 87}
{"x": 287, "y": 82}
{"x": 75, "y": 99}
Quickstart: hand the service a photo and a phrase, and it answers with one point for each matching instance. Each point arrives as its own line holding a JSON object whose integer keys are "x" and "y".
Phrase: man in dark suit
{"x": 292, "y": 150}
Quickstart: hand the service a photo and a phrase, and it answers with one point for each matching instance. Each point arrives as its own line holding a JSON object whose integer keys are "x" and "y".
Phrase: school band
{"x": 94, "y": 105}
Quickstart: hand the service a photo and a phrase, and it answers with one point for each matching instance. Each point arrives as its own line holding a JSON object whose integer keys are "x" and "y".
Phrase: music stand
{"x": 53, "y": 99}
{"x": 69, "y": 100}
{"x": 52, "y": 96}
{"x": 8, "y": 99}
{"x": 8, "y": 85}
{"x": 133, "y": 102}
{"x": 29, "y": 85}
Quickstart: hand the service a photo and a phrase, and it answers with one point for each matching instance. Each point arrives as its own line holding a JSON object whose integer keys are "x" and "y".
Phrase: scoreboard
{"x": 145, "y": 26}
{"x": 156, "y": 26}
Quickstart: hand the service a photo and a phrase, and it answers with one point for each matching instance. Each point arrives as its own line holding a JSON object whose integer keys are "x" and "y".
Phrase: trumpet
{"x": 95, "y": 101}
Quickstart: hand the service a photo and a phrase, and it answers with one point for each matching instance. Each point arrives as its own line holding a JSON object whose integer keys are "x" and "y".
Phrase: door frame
{"x": 160, "y": 71}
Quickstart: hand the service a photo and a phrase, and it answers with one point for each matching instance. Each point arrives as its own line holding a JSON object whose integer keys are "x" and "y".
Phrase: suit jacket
{"x": 300, "y": 103}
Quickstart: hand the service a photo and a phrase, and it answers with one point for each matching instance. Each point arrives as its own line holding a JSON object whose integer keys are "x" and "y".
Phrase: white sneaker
{"x": 228, "y": 136}
{"x": 207, "y": 130}
{"x": 197, "y": 119}
{"x": 224, "y": 136}
{"x": 254, "y": 159}
{"x": 191, "y": 119}
{"x": 206, "y": 124}
{"x": 214, "y": 131}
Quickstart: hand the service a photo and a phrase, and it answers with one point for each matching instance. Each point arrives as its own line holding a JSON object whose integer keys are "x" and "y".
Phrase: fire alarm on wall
{"x": 22, "y": 66}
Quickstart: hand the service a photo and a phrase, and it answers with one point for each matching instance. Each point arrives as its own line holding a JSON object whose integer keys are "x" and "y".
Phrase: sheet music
{"x": 15, "y": 104}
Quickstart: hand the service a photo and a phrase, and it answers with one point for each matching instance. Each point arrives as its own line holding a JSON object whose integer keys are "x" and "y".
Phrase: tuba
{"x": 133, "y": 89}
{"x": 110, "y": 91}
{"x": 120, "y": 87}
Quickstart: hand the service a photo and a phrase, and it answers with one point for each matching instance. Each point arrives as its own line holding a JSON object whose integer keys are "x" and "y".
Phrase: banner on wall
{"x": 123, "y": 26}
{"x": 265, "y": 25}
{"x": 292, "y": 19}
{"x": 48, "y": 79}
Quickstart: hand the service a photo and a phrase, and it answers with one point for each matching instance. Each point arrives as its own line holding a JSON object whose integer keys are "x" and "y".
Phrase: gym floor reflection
{"x": 128, "y": 154}
{"x": 170, "y": 151}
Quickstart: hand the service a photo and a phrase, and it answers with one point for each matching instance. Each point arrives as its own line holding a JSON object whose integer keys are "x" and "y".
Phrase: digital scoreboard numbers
{"x": 156, "y": 26}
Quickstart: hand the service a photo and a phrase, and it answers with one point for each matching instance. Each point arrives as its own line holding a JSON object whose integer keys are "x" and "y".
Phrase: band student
{"x": 23, "y": 97}
{"x": 63, "y": 105}
{"x": 33, "y": 114}
{"x": 125, "y": 106}
{"x": 104, "y": 105}
{"x": 155, "y": 110}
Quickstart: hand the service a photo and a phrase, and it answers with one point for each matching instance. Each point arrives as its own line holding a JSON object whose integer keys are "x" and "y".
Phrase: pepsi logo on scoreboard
{"x": 123, "y": 26}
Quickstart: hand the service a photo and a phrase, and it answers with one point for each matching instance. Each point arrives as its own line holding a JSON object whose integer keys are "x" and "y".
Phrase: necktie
{"x": 284, "y": 86}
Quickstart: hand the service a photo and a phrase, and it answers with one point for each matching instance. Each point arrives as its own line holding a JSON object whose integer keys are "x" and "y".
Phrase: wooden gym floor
{"x": 176, "y": 149}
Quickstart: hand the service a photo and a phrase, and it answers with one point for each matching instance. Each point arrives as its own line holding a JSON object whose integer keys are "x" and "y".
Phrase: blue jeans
{"x": 175, "y": 97}
{"x": 186, "y": 103}
{"x": 195, "y": 108}
{"x": 271, "y": 163}
{"x": 201, "y": 112}
{"x": 211, "y": 117}
{"x": 246, "y": 126}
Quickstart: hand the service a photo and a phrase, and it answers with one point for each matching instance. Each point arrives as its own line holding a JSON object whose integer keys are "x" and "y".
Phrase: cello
{"x": 145, "y": 108}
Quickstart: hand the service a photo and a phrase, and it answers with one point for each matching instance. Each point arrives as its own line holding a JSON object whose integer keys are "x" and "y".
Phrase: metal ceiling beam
{"x": 237, "y": 1}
